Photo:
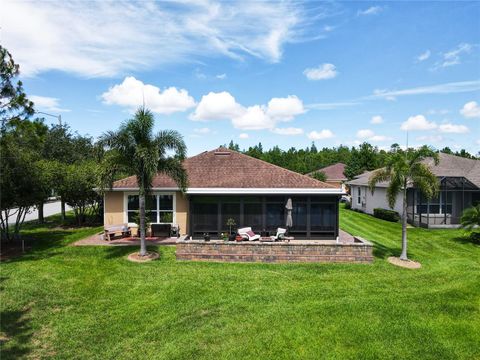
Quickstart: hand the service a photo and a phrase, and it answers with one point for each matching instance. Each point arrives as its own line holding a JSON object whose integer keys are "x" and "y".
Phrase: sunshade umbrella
{"x": 289, "y": 208}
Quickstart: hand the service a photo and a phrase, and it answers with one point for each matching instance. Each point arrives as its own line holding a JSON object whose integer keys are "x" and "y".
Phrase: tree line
{"x": 365, "y": 157}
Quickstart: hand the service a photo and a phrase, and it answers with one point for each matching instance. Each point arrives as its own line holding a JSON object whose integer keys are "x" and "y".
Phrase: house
{"x": 459, "y": 189}
{"x": 334, "y": 174}
{"x": 226, "y": 184}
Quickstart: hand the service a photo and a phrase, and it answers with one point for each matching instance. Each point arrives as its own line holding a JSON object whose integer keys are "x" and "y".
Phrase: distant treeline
{"x": 365, "y": 157}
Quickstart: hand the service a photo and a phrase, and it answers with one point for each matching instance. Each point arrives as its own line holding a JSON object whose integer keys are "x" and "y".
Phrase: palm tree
{"x": 406, "y": 168}
{"x": 135, "y": 149}
{"x": 471, "y": 218}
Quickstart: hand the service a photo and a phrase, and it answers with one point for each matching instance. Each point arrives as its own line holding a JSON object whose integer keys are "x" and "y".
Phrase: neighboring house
{"x": 334, "y": 174}
{"x": 459, "y": 189}
{"x": 226, "y": 184}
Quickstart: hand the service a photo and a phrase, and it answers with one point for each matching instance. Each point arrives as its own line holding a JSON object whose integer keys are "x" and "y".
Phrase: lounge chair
{"x": 281, "y": 233}
{"x": 248, "y": 234}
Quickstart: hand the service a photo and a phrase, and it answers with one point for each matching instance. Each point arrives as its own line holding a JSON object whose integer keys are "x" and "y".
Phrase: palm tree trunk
{"x": 141, "y": 205}
{"x": 404, "y": 225}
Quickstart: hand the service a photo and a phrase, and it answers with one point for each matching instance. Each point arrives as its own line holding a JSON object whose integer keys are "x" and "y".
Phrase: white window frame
{"x": 156, "y": 194}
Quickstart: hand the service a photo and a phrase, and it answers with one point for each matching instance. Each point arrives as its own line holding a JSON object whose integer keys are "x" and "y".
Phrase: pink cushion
{"x": 250, "y": 233}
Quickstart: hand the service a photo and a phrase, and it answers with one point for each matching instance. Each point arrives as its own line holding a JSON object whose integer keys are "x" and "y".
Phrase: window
{"x": 359, "y": 195}
{"x": 442, "y": 204}
{"x": 158, "y": 208}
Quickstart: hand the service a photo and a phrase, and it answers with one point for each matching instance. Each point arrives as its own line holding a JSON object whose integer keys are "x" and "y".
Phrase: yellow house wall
{"x": 113, "y": 208}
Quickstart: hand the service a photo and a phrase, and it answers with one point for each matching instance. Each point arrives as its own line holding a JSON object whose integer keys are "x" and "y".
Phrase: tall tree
{"x": 135, "y": 148}
{"x": 13, "y": 100}
{"x": 366, "y": 158}
{"x": 404, "y": 169}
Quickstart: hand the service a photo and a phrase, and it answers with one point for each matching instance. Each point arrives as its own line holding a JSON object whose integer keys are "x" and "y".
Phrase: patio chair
{"x": 281, "y": 232}
{"x": 248, "y": 234}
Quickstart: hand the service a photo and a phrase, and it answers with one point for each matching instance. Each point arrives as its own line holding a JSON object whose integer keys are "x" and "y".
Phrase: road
{"x": 51, "y": 208}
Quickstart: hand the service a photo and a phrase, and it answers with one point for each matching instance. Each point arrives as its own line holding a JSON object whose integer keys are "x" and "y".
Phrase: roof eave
{"x": 235, "y": 191}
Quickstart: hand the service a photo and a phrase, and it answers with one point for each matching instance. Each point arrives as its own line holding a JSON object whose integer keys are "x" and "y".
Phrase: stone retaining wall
{"x": 296, "y": 251}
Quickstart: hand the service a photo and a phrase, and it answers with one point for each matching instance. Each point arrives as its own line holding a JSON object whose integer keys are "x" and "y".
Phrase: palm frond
{"x": 171, "y": 140}
{"x": 471, "y": 218}
{"x": 394, "y": 188}
{"x": 378, "y": 176}
{"x": 173, "y": 168}
{"x": 424, "y": 180}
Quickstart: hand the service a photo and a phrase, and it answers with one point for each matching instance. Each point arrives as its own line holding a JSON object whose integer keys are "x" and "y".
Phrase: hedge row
{"x": 385, "y": 214}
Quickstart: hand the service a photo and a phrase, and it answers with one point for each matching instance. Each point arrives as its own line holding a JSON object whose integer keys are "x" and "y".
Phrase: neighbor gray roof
{"x": 448, "y": 166}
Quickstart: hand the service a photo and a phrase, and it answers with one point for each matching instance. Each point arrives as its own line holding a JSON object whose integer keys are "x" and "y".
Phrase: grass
{"x": 61, "y": 302}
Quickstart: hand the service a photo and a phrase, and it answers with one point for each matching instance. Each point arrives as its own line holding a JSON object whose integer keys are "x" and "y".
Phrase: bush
{"x": 385, "y": 214}
{"x": 348, "y": 205}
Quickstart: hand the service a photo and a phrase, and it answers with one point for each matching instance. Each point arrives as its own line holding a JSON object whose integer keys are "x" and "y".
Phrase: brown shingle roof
{"x": 333, "y": 172}
{"x": 224, "y": 168}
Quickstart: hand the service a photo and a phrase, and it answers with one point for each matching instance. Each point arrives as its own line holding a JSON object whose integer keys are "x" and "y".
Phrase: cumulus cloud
{"x": 285, "y": 109}
{"x": 320, "y": 135}
{"x": 47, "y": 103}
{"x": 216, "y": 106}
{"x": 424, "y": 56}
{"x": 452, "y": 128}
{"x": 471, "y": 110}
{"x": 221, "y": 76}
{"x": 223, "y": 106}
{"x": 288, "y": 131}
{"x": 372, "y": 10}
{"x": 321, "y": 72}
{"x": 377, "y": 119}
{"x": 418, "y": 122}
{"x": 105, "y": 38}
{"x": 132, "y": 93}
{"x": 369, "y": 135}
{"x": 430, "y": 138}
{"x": 243, "y": 136}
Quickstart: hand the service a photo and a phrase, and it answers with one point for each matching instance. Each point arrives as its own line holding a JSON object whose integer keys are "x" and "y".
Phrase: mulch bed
{"x": 408, "y": 264}
{"x": 151, "y": 255}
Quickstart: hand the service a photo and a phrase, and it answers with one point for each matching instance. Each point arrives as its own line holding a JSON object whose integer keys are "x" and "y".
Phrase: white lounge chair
{"x": 248, "y": 234}
{"x": 280, "y": 231}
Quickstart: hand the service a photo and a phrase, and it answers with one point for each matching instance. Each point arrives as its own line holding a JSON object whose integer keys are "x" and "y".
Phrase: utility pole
{"x": 59, "y": 117}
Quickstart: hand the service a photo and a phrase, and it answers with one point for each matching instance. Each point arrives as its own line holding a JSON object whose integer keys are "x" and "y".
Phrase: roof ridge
{"x": 282, "y": 168}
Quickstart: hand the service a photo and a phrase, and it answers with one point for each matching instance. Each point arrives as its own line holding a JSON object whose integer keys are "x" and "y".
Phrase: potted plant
{"x": 224, "y": 236}
{"x": 231, "y": 222}
{"x": 206, "y": 236}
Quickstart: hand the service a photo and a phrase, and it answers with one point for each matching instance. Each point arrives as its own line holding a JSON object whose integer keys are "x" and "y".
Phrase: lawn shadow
{"x": 468, "y": 239}
{"x": 113, "y": 252}
{"x": 381, "y": 251}
{"x": 16, "y": 333}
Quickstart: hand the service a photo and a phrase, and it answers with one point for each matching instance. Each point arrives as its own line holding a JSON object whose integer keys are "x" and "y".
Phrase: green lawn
{"x": 64, "y": 302}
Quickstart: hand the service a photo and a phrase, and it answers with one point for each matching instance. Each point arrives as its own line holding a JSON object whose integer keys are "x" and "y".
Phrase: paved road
{"x": 48, "y": 209}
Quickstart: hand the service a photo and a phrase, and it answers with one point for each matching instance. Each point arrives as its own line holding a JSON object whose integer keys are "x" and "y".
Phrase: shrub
{"x": 348, "y": 205}
{"x": 385, "y": 214}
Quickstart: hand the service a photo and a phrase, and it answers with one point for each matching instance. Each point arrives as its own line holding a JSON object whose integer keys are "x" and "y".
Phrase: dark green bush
{"x": 348, "y": 205}
{"x": 385, "y": 214}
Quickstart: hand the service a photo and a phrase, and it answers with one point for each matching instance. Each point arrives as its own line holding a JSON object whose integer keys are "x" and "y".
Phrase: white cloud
{"x": 365, "y": 133}
{"x": 372, "y": 10}
{"x": 448, "y": 88}
{"x": 223, "y": 106}
{"x": 418, "y": 122}
{"x": 332, "y": 106}
{"x": 132, "y": 93}
{"x": 377, "y": 119}
{"x": 453, "y": 57}
{"x": 243, "y": 136}
{"x": 471, "y": 110}
{"x": 47, "y": 103}
{"x": 216, "y": 106}
{"x": 285, "y": 109}
{"x": 320, "y": 135}
{"x": 221, "y": 76}
{"x": 424, "y": 56}
{"x": 253, "y": 118}
{"x": 321, "y": 72}
{"x": 452, "y": 128}
{"x": 430, "y": 138}
{"x": 204, "y": 131}
{"x": 288, "y": 131}
{"x": 369, "y": 135}
{"x": 103, "y": 38}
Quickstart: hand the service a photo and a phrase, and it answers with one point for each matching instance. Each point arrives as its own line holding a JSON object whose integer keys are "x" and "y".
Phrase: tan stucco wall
{"x": 182, "y": 212}
{"x": 113, "y": 208}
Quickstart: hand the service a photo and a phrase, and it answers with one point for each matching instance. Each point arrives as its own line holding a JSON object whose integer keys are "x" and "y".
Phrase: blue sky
{"x": 282, "y": 74}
